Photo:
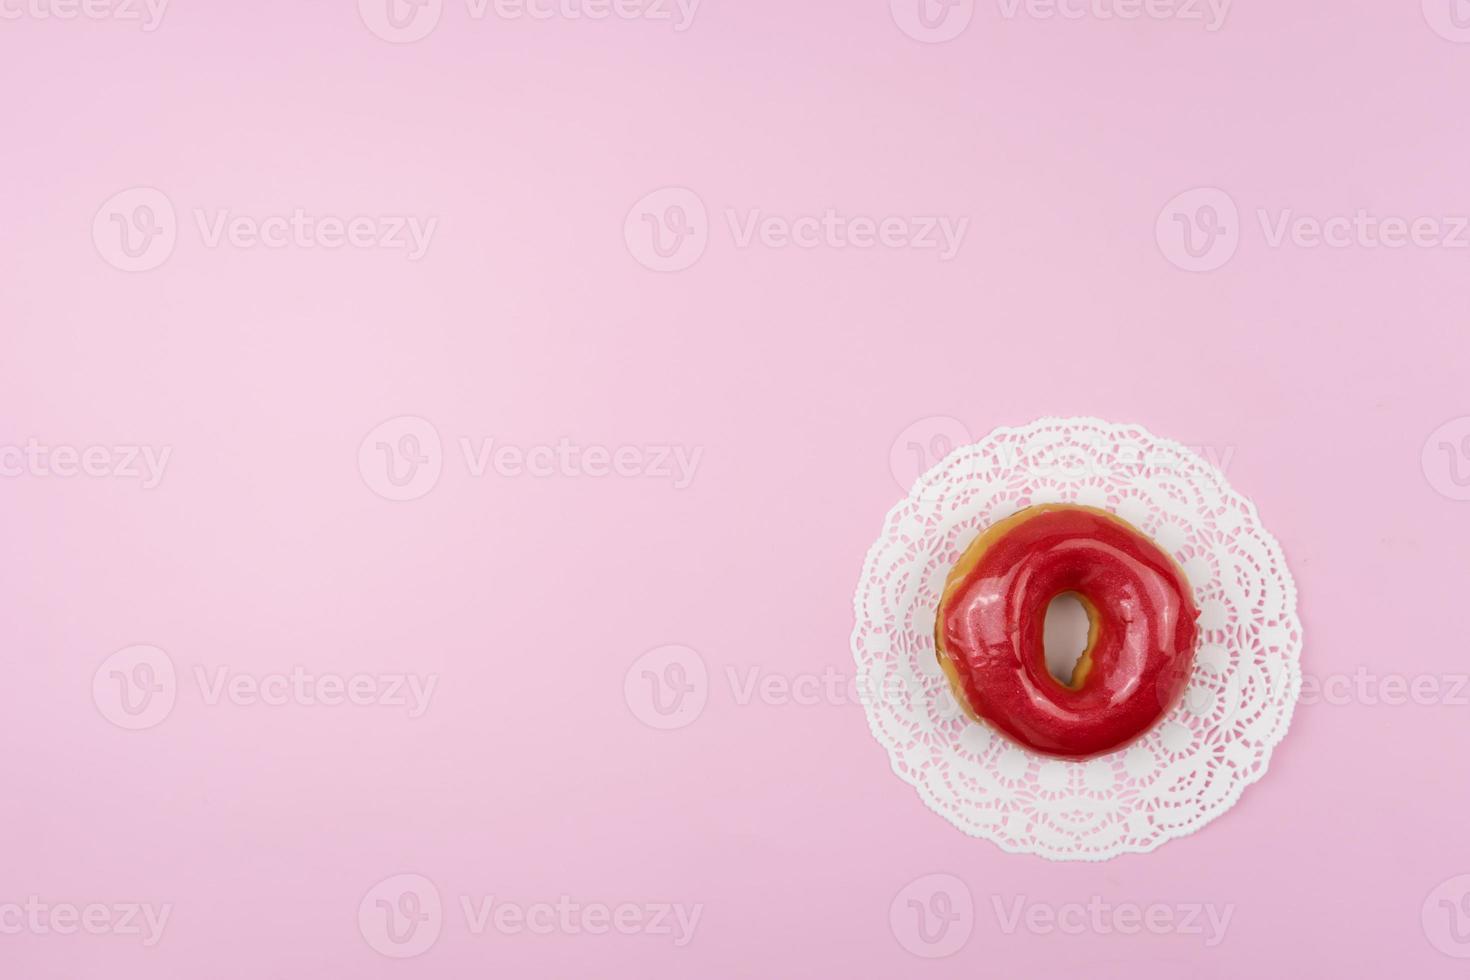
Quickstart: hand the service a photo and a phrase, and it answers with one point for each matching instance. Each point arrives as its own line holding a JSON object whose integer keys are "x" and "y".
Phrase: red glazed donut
{"x": 1140, "y": 645}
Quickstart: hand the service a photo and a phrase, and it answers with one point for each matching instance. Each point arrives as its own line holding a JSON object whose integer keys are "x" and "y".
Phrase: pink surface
{"x": 1329, "y": 378}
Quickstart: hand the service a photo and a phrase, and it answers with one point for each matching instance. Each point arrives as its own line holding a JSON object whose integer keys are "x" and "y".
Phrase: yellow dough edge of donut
{"x": 967, "y": 564}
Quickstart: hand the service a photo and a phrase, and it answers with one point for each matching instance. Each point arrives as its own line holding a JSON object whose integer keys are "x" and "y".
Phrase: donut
{"x": 1141, "y": 633}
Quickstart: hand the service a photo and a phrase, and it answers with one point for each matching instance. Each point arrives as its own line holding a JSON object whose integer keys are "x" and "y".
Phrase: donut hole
{"x": 1064, "y": 634}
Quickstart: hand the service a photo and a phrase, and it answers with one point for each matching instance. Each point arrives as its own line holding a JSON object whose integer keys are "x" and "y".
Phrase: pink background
{"x": 1322, "y": 372}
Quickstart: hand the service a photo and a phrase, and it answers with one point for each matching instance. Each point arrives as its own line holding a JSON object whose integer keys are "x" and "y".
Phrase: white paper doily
{"x": 1183, "y": 773}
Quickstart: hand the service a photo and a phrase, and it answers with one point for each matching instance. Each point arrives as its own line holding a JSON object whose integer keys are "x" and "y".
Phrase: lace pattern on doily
{"x": 1195, "y": 763}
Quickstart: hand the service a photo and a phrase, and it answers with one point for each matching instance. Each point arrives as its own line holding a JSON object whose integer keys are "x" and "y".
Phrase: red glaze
{"x": 1143, "y": 632}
